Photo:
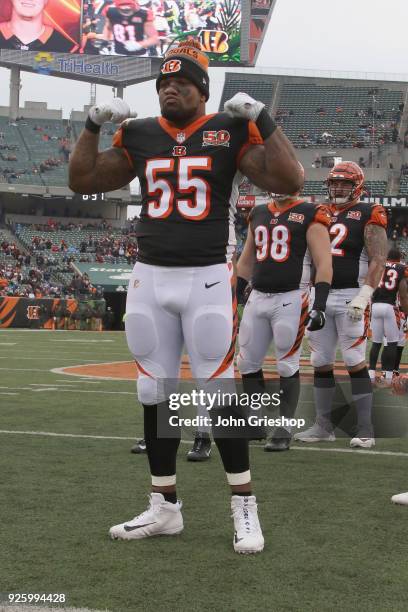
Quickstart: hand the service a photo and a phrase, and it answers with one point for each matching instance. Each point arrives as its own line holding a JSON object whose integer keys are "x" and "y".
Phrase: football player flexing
{"x": 359, "y": 249}
{"x": 386, "y": 317}
{"x": 181, "y": 291}
{"x": 130, "y": 27}
{"x": 284, "y": 237}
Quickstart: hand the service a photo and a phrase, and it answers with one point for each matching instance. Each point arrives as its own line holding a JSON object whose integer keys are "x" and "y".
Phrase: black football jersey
{"x": 283, "y": 262}
{"x": 50, "y": 40}
{"x": 350, "y": 260}
{"x": 128, "y": 27}
{"x": 189, "y": 181}
{"x": 387, "y": 290}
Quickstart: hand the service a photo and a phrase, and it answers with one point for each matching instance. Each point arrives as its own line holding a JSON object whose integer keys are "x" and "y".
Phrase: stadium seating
{"x": 259, "y": 88}
{"x": 22, "y": 170}
{"x": 37, "y": 141}
{"x": 404, "y": 185}
{"x": 73, "y": 239}
{"x": 339, "y": 115}
{"x": 373, "y": 188}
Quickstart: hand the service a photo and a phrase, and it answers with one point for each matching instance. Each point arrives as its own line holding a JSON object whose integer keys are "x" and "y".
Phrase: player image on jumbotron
{"x": 26, "y": 25}
{"x": 148, "y": 28}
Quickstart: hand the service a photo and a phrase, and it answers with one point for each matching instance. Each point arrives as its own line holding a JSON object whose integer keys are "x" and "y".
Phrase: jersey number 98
{"x": 275, "y": 243}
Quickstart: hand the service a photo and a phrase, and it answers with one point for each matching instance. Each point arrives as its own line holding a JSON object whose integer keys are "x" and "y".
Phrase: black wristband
{"x": 265, "y": 124}
{"x": 321, "y": 295}
{"x": 92, "y": 126}
{"x": 242, "y": 284}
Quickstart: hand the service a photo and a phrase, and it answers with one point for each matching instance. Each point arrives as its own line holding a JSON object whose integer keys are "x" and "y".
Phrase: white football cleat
{"x": 161, "y": 518}
{"x": 401, "y": 498}
{"x": 316, "y": 433}
{"x": 362, "y": 442}
{"x": 248, "y": 536}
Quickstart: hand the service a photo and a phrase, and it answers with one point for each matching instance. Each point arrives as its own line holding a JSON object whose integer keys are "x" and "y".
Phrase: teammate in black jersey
{"x": 182, "y": 290}
{"x": 285, "y": 237}
{"x": 385, "y": 316}
{"x": 359, "y": 248}
{"x": 130, "y": 27}
{"x": 27, "y": 31}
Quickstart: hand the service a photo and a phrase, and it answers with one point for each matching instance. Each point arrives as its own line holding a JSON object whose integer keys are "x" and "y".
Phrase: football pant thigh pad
{"x": 150, "y": 390}
{"x": 141, "y": 332}
{"x": 284, "y": 335}
{"x": 212, "y": 333}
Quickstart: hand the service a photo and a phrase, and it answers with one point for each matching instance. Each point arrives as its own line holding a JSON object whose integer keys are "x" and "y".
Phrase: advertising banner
{"x": 127, "y": 28}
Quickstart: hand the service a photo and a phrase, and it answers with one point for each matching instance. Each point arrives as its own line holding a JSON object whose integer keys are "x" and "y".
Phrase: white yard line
{"x": 80, "y": 341}
{"x": 132, "y": 438}
{"x": 22, "y": 370}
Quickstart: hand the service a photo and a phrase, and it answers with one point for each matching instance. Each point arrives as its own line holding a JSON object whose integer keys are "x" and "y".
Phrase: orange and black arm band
{"x": 265, "y": 124}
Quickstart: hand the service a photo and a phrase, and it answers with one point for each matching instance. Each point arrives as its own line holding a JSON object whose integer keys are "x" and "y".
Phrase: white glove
{"x": 357, "y": 306}
{"x": 117, "y": 111}
{"x": 243, "y": 106}
{"x": 132, "y": 45}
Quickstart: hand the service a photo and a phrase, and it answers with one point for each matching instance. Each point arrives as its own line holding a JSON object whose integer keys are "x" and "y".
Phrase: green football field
{"x": 334, "y": 542}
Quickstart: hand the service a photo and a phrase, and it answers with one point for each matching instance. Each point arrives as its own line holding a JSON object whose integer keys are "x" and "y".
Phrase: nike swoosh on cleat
{"x": 132, "y": 528}
{"x": 288, "y": 304}
{"x": 207, "y": 286}
{"x": 236, "y": 540}
{"x": 348, "y": 301}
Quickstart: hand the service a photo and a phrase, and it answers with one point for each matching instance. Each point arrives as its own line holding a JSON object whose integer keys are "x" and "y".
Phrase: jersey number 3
{"x": 389, "y": 279}
{"x": 195, "y": 207}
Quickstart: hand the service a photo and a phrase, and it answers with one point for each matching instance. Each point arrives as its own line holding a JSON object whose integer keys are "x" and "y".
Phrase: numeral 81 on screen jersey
{"x": 193, "y": 208}
{"x": 275, "y": 243}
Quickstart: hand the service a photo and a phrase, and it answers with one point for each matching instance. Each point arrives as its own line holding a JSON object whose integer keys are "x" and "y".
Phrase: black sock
{"x": 362, "y": 393}
{"x": 400, "y": 350}
{"x": 324, "y": 388}
{"x": 253, "y": 383}
{"x": 290, "y": 390}
{"x": 374, "y": 352}
{"x": 389, "y": 356}
{"x": 234, "y": 450}
{"x": 170, "y": 497}
{"x": 240, "y": 494}
{"x": 161, "y": 452}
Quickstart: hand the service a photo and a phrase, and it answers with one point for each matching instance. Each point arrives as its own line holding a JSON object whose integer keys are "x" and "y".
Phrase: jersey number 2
{"x": 339, "y": 232}
{"x": 194, "y": 208}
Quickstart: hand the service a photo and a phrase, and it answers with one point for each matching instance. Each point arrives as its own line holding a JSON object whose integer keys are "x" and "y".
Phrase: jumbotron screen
{"x": 131, "y": 28}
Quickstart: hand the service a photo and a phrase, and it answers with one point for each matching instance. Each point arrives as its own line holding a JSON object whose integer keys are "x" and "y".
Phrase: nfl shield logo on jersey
{"x": 181, "y": 136}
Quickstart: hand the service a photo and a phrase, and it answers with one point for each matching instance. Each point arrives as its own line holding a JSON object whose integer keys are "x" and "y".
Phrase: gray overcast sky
{"x": 340, "y": 35}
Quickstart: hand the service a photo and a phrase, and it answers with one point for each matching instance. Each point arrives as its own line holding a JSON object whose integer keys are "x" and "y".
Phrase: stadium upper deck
{"x": 322, "y": 117}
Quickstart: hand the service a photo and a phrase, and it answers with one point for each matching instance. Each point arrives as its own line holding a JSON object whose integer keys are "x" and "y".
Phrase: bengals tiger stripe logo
{"x": 171, "y": 66}
{"x": 214, "y": 41}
